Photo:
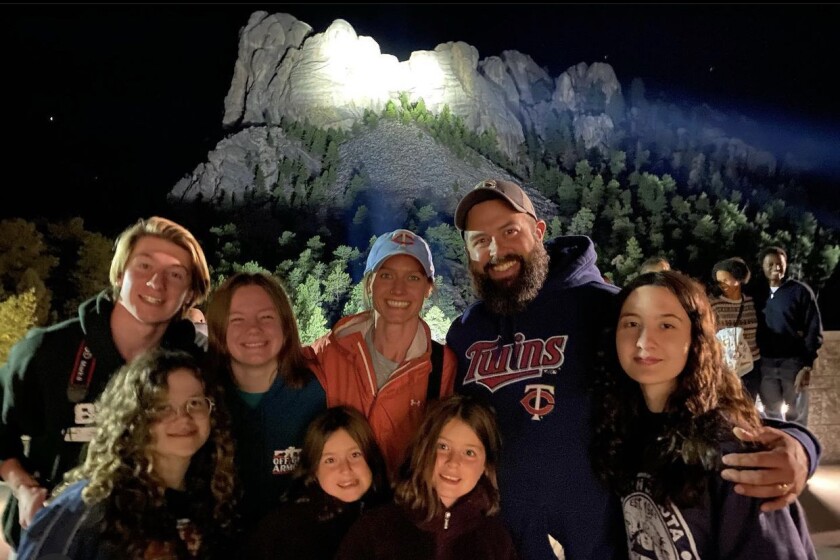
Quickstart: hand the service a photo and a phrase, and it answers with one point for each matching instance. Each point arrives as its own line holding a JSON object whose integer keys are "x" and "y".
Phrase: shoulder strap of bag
{"x": 433, "y": 388}
{"x": 740, "y": 311}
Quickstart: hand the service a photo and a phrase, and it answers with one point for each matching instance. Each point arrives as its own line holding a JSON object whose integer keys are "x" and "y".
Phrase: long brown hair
{"x": 119, "y": 470}
{"x": 706, "y": 403}
{"x": 414, "y": 490}
{"x": 293, "y": 367}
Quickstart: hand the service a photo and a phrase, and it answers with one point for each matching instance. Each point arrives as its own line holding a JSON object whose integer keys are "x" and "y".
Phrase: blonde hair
{"x": 168, "y": 230}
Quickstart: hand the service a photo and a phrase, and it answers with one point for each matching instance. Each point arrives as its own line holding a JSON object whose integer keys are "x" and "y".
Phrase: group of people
{"x": 518, "y": 438}
{"x": 780, "y": 323}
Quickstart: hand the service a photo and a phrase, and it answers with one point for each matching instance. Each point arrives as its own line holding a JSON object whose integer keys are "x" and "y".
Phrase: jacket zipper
{"x": 446, "y": 517}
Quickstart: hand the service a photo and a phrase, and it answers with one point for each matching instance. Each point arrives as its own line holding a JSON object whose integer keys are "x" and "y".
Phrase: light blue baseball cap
{"x": 400, "y": 242}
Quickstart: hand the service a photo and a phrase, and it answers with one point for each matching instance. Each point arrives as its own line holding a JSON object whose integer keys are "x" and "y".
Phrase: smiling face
{"x": 179, "y": 437}
{"x": 728, "y": 284}
{"x": 498, "y": 238}
{"x": 342, "y": 470}
{"x": 508, "y": 261}
{"x": 459, "y": 463}
{"x": 254, "y": 334}
{"x": 398, "y": 289}
{"x": 653, "y": 338}
{"x": 156, "y": 282}
{"x": 774, "y": 267}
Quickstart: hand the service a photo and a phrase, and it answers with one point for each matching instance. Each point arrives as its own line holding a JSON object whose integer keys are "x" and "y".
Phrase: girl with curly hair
{"x": 341, "y": 473}
{"x": 447, "y": 499}
{"x": 667, "y": 408}
{"x": 158, "y": 479}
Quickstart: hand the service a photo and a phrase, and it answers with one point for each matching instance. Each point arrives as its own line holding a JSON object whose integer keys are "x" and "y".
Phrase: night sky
{"x": 117, "y": 103}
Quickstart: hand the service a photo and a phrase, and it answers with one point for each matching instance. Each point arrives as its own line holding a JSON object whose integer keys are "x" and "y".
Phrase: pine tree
{"x": 17, "y": 316}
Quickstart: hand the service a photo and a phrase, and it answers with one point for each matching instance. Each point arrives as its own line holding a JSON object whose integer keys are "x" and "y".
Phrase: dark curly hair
{"x": 120, "y": 472}
{"x": 707, "y": 402}
{"x": 736, "y": 266}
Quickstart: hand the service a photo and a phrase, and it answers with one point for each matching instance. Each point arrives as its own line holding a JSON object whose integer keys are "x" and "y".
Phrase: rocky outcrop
{"x": 825, "y": 399}
{"x": 402, "y": 164}
{"x": 286, "y": 72}
{"x": 331, "y": 78}
{"x": 233, "y": 166}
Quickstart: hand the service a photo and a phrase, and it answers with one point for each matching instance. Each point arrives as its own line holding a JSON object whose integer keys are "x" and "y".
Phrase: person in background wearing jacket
{"x": 158, "y": 480}
{"x": 446, "y": 502}
{"x": 340, "y": 475}
{"x": 734, "y": 308}
{"x": 381, "y": 361}
{"x": 54, "y": 375}
{"x": 667, "y": 408}
{"x": 272, "y": 395}
{"x": 789, "y": 334}
{"x": 527, "y": 347}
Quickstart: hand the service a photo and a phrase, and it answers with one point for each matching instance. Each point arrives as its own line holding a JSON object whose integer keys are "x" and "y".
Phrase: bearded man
{"x": 527, "y": 347}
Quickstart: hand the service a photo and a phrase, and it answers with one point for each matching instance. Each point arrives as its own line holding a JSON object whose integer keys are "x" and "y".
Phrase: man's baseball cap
{"x": 500, "y": 189}
{"x": 400, "y": 242}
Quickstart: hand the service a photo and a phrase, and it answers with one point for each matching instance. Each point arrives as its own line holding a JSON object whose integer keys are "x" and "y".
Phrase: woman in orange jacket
{"x": 383, "y": 361}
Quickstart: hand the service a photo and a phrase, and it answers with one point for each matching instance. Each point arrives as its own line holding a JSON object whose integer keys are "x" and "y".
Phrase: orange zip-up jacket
{"x": 345, "y": 370}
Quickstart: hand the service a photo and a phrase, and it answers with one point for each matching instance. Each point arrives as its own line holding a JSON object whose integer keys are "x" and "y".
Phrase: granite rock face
{"x": 402, "y": 162}
{"x": 330, "y": 78}
{"x": 286, "y": 72}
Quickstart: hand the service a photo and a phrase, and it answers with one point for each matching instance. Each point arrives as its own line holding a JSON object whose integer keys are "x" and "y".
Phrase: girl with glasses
{"x": 158, "y": 479}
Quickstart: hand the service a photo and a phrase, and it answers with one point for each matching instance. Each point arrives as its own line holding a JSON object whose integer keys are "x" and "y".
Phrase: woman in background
{"x": 733, "y": 308}
{"x": 341, "y": 473}
{"x": 668, "y": 407}
{"x": 158, "y": 479}
{"x": 447, "y": 501}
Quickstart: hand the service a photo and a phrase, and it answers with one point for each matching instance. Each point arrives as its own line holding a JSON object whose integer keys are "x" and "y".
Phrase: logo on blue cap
{"x": 400, "y": 242}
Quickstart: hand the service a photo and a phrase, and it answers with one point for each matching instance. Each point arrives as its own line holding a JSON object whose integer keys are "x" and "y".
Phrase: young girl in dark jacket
{"x": 341, "y": 473}
{"x": 447, "y": 499}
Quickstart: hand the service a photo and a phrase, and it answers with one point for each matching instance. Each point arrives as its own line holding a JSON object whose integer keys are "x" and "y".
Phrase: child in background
{"x": 447, "y": 500}
{"x": 667, "y": 410}
{"x": 341, "y": 473}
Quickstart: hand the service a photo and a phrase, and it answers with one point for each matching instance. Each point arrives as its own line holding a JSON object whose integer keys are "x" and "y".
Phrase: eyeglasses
{"x": 196, "y": 407}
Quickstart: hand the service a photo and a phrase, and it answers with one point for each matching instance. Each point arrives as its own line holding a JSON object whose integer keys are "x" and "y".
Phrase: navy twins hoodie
{"x": 534, "y": 369}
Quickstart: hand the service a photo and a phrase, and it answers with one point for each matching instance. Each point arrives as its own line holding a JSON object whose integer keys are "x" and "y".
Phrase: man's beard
{"x": 514, "y": 295}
